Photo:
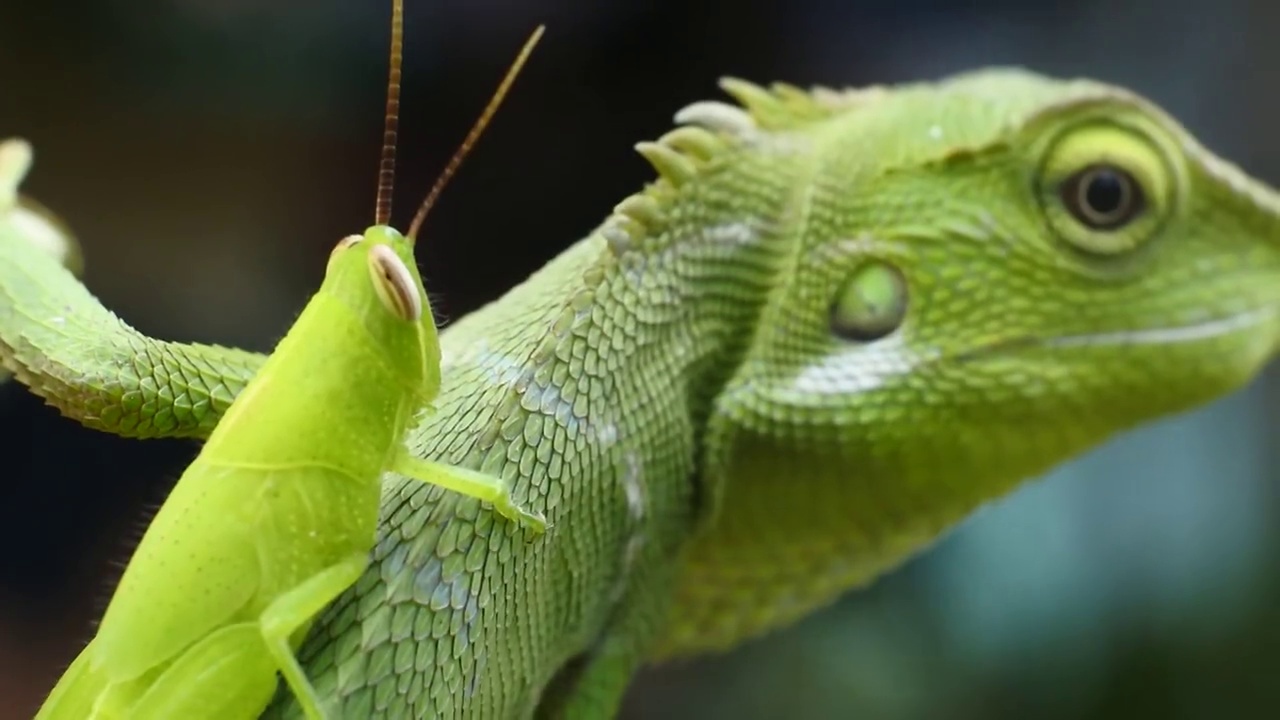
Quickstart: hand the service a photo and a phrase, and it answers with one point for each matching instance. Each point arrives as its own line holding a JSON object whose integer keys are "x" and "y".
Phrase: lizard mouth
{"x": 832, "y": 376}
{"x": 1173, "y": 335}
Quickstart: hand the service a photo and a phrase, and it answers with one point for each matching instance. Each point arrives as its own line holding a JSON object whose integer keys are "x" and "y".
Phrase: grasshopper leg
{"x": 228, "y": 675}
{"x": 293, "y": 610}
{"x": 471, "y": 483}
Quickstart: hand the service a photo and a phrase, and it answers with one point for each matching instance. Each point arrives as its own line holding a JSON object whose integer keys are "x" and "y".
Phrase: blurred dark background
{"x": 210, "y": 152}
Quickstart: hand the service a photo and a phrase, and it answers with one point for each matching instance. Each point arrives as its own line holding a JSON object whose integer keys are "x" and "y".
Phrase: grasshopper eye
{"x": 344, "y": 243}
{"x": 394, "y": 283}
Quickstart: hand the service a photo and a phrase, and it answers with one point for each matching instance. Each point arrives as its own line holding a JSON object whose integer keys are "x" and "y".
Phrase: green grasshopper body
{"x": 278, "y": 512}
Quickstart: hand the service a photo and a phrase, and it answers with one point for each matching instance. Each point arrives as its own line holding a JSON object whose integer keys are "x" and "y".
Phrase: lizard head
{"x": 986, "y": 277}
{"x": 376, "y": 275}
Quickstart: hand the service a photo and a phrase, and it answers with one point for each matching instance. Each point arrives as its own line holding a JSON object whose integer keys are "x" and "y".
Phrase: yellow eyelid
{"x": 1123, "y": 146}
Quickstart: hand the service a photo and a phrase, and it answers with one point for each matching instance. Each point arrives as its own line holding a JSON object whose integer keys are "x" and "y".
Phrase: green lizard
{"x": 836, "y": 324}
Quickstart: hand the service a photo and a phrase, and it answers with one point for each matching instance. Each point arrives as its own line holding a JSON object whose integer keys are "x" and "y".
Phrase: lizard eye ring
{"x": 1103, "y": 197}
{"x": 1106, "y": 187}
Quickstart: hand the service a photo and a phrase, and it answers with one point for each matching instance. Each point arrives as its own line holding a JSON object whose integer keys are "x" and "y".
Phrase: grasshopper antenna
{"x": 461, "y": 153}
{"x": 387, "y": 165}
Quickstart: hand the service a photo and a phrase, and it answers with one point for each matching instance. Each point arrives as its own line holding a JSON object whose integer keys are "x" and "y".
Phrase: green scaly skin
{"x": 835, "y": 325}
{"x": 28, "y": 221}
{"x": 134, "y": 386}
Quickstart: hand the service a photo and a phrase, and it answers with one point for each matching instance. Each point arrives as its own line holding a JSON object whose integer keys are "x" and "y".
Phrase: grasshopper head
{"x": 376, "y": 274}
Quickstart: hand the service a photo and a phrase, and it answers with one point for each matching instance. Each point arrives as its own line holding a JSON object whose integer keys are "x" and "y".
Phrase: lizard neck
{"x": 589, "y": 386}
{"x": 653, "y": 310}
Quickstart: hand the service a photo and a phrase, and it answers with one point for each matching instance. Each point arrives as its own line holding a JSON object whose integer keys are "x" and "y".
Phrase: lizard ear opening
{"x": 1105, "y": 188}
{"x": 871, "y": 304}
{"x": 394, "y": 283}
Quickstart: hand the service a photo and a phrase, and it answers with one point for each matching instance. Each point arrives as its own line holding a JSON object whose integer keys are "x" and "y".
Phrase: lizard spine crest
{"x": 705, "y": 130}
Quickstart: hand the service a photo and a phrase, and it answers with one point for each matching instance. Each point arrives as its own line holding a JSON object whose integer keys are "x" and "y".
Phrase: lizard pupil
{"x": 1105, "y": 193}
{"x": 1103, "y": 197}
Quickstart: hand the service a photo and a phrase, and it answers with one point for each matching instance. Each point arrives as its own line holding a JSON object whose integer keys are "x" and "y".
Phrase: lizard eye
{"x": 394, "y": 283}
{"x": 871, "y": 304}
{"x": 1103, "y": 197}
{"x": 1105, "y": 188}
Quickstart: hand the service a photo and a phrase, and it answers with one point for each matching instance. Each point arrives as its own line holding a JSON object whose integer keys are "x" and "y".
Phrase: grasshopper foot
{"x": 471, "y": 483}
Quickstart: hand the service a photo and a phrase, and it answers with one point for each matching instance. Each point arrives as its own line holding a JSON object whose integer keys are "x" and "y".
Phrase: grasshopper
{"x": 277, "y": 514}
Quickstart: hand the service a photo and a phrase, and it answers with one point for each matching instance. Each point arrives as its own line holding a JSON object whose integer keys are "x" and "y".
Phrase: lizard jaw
{"x": 880, "y": 363}
{"x": 1172, "y": 335}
